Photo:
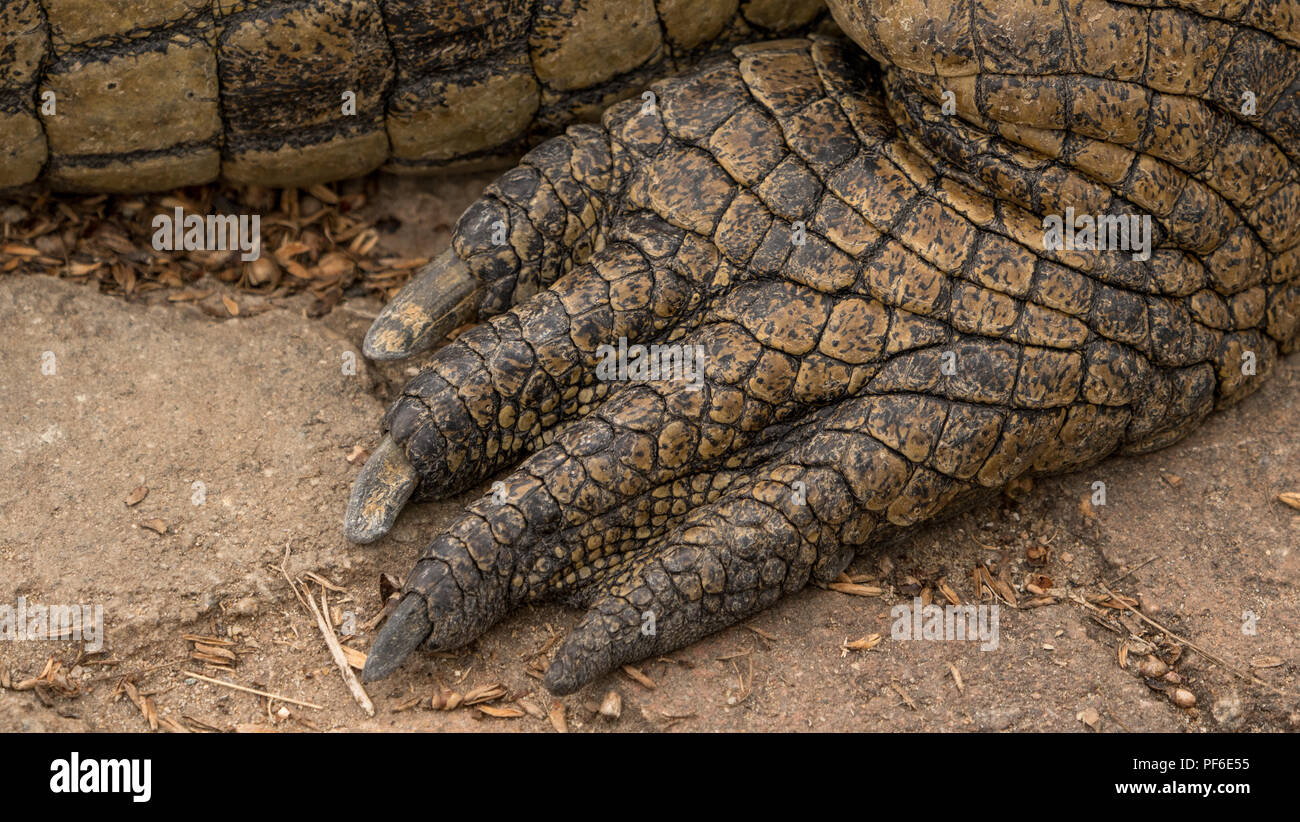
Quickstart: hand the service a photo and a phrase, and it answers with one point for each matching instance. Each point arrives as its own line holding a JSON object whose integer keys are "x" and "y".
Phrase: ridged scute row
{"x": 153, "y": 94}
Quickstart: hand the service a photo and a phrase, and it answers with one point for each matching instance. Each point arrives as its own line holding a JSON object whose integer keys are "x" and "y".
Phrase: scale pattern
{"x": 141, "y": 95}
{"x": 885, "y": 335}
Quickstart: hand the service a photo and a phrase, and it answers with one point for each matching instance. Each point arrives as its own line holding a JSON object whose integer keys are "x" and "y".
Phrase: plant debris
{"x": 865, "y": 643}
{"x": 855, "y": 589}
{"x": 326, "y": 249}
{"x": 636, "y": 674}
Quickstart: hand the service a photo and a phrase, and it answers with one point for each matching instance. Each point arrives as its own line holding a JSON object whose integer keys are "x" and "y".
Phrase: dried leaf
{"x": 206, "y": 640}
{"x": 137, "y": 495}
{"x": 1002, "y": 584}
{"x": 637, "y": 675}
{"x": 534, "y": 710}
{"x": 1119, "y": 603}
{"x": 210, "y": 652}
{"x": 854, "y": 589}
{"x": 501, "y": 712}
{"x": 948, "y": 593}
{"x": 866, "y": 643}
{"x": 290, "y": 250}
{"x": 485, "y": 693}
{"x": 557, "y": 717}
{"x": 334, "y": 265}
{"x": 446, "y": 700}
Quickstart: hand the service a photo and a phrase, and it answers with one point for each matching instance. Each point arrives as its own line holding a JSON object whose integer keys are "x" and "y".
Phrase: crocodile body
{"x": 136, "y": 95}
{"x": 856, "y": 234}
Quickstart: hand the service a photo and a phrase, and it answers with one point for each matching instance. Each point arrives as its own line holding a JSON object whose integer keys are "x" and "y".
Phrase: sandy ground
{"x": 245, "y": 432}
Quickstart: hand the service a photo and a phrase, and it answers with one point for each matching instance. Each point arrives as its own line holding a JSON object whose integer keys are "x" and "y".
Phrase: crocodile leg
{"x": 885, "y": 331}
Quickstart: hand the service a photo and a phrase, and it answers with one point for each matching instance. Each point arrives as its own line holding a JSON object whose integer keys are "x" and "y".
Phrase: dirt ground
{"x": 245, "y": 432}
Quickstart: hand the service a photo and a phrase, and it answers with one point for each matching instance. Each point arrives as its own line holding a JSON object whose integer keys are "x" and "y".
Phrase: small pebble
{"x": 1184, "y": 698}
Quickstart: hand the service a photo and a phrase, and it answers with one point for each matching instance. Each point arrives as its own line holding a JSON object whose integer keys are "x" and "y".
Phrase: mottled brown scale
{"x": 886, "y": 336}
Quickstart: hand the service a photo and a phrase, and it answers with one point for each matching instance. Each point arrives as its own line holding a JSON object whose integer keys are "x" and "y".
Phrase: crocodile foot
{"x": 763, "y": 320}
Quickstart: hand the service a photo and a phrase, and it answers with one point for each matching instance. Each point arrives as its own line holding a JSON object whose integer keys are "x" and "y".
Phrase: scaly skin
{"x": 156, "y": 94}
{"x": 649, "y": 503}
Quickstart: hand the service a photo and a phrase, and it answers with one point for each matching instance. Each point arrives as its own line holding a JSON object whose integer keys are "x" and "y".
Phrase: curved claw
{"x": 439, "y": 298}
{"x": 599, "y": 644}
{"x": 379, "y": 493}
{"x": 402, "y": 633}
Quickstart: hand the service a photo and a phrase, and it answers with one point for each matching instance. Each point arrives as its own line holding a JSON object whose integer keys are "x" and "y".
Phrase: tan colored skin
{"x": 154, "y": 94}
{"x": 825, "y": 361}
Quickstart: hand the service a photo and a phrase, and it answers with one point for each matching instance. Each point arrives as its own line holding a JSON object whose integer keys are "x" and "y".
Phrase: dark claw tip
{"x": 561, "y": 680}
{"x": 385, "y": 483}
{"x": 401, "y": 634}
{"x": 573, "y": 667}
{"x": 440, "y": 297}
